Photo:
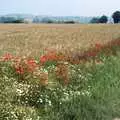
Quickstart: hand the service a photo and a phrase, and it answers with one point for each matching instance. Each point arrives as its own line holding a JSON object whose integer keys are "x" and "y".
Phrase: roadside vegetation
{"x": 55, "y": 86}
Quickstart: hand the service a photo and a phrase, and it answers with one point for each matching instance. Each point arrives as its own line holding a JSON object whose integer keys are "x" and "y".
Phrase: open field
{"x": 49, "y": 86}
{"x": 32, "y": 38}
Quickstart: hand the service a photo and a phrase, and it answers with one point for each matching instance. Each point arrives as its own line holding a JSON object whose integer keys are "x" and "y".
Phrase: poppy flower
{"x": 31, "y": 64}
{"x": 52, "y": 56}
{"x": 43, "y": 59}
{"x": 7, "y": 57}
{"x": 98, "y": 46}
{"x": 19, "y": 70}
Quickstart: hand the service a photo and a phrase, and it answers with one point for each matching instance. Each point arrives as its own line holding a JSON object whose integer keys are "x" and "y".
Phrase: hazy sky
{"x": 60, "y": 7}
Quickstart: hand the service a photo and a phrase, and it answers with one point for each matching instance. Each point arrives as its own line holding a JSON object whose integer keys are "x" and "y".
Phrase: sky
{"x": 60, "y": 7}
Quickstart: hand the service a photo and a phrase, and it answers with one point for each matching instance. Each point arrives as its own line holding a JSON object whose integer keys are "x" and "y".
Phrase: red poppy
{"x": 43, "y": 59}
{"x": 19, "y": 70}
{"x": 98, "y": 46}
{"x": 30, "y": 64}
{"x": 52, "y": 56}
{"x": 7, "y": 57}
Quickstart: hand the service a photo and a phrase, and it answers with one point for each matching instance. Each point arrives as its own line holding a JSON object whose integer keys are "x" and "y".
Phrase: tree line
{"x": 11, "y": 20}
{"x": 104, "y": 18}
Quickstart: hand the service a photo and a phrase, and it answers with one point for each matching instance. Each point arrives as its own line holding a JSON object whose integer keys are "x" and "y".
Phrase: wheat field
{"x": 31, "y": 39}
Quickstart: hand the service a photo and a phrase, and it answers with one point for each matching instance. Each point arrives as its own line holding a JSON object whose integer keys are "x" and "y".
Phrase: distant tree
{"x": 50, "y": 21}
{"x": 94, "y": 20}
{"x": 45, "y": 20}
{"x": 69, "y": 22}
{"x": 11, "y": 20}
{"x": 7, "y": 19}
{"x": 103, "y": 19}
{"x": 18, "y": 21}
{"x": 116, "y": 17}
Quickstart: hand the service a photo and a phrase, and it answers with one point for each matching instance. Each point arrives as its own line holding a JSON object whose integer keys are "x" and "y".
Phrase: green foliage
{"x": 18, "y": 21}
{"x": 93, "y": 93}
{"x": 103, "y": 19}
{"x": 94, "y": 20}
{"x": 116, "y": 17}
{"x": 69, "y": 22}
{"x": 11, "y": 20}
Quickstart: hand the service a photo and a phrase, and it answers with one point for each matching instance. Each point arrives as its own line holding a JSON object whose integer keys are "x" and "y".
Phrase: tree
{"x": 103, "y": 19}
{"x": 94, "y": 20}
{"x": 69, "y": 22}
{"x": 116, "y": 17}
{"x": 10, "y": 20}
{"x": 18, "y": 21}
{"x": 7, "y": 19}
